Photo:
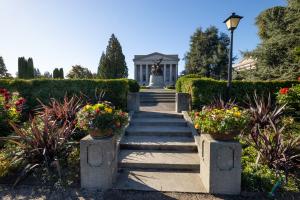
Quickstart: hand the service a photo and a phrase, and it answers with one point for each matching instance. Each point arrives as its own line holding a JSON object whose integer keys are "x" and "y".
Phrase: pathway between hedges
{"x": 158, "y": 151}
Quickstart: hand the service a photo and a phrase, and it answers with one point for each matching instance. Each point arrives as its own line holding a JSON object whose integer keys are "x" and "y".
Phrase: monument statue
{"x": 156, "y": 76}
{"x": 156, "y": 69}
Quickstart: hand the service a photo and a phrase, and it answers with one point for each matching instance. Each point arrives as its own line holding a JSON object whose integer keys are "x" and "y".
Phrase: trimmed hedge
{"x": 43, "y": 89}
{"x": 204, "y": 90}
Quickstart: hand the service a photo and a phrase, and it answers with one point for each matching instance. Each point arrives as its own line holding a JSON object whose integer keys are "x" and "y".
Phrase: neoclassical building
{"x": 143, "y": 64}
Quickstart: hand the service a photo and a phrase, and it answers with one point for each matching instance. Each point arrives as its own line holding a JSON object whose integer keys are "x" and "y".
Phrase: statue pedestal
{"x": 156, "y": 81}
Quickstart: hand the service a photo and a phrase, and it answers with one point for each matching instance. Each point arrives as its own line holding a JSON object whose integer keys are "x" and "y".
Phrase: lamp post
{"x": 231, "y": 22}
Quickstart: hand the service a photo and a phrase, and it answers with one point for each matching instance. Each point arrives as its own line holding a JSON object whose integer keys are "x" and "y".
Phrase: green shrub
{"x": 290, "y": 97}
{"x": 204, "y": 90}
{"x": 260, "y": 178}
{"x": 115, "y": 90}
{"x": 133, "y": 85}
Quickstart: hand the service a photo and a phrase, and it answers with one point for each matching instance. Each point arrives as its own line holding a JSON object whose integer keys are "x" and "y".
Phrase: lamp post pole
{"x": 231, "y": 23}
{"x": 229, "y": 77}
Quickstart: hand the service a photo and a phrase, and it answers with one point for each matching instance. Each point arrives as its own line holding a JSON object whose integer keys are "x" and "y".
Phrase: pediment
{"x": 155, "y": 56}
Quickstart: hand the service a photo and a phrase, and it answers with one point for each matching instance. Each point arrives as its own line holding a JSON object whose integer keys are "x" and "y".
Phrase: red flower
{"x": 97, "y": 110}
{"x": 7, "y": 107}
{"x": 283, "y": 90}
{"x": 299, "y": 78}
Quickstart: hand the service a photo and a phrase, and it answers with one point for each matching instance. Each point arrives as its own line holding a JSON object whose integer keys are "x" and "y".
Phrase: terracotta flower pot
{"x": 99, "y": 133}
{"x": 225, "y": 136}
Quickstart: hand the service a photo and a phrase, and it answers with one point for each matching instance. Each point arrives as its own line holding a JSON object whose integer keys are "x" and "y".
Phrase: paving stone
{"x": 160, "y": 181}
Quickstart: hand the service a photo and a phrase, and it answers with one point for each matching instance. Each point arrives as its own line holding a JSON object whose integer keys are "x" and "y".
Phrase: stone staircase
{"x": 158, "y": 152}
{"x": 155, "y": 100}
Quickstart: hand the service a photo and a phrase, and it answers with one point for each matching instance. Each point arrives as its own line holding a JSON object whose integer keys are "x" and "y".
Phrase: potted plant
{"x": 221, "y": 124}
{"x": 101, "y": 120}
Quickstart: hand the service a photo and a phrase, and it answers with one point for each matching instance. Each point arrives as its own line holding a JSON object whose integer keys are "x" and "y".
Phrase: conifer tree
{"x": 112, "y": 64}
{"x": 61, "y": 73}
{"x": 30, "y": 68}
{"x": 3, "y": 70}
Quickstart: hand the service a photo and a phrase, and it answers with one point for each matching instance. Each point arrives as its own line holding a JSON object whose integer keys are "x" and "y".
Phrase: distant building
{"x": 245, "y": 64}
{"x": 143, "y": 64}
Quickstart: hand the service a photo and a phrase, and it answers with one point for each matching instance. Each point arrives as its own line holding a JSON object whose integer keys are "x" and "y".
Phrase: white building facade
{"x": 245, "y": 64}
{"x": 143, "y": 64}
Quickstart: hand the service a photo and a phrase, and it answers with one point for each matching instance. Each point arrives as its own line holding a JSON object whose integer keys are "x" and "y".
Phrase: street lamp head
{"x": 232, "y": 21}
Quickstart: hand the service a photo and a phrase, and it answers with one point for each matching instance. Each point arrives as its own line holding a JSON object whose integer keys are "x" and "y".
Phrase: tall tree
{"x": 37, "y": 73}
{"x": 3, "y": 70}
{"x": 56, "y": 73}
{"x": 277, "y": 54}
{"x": 208, "y": 54}
{"x": 61, "y": 73}
{"x": 30, "y": 68}
{"x": 79, "y": 72}
{"x": 25, "y": 68}
{"x": 112, "y": 64}
{"x": 22, "y": 67}
{"x": 47, "y": 74}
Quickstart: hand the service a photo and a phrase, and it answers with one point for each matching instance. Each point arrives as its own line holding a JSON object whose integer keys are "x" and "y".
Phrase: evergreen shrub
{"x": 204, "y": 90}
{"x": 115, "y": 90}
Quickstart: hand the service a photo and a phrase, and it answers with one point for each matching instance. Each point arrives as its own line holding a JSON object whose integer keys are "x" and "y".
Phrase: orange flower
{"x": 197, "y": 126}
{"x": 283, "y": 90}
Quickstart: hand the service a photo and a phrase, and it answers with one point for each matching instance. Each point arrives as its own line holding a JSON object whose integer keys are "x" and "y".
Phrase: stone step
{"x": 159, "y": 181}
{"x": 162, "y": 160}
{"x": 168, "y": 121}
{"x": 157, "y": 94}
{"x": 149, "y": 114}
{"x": 158, "y": 131}
{"x": 157, "y": 100}
{"x": 179, "y": 144}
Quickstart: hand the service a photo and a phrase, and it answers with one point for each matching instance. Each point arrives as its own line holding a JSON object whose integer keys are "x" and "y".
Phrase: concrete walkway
{"x": 158, "y": 151}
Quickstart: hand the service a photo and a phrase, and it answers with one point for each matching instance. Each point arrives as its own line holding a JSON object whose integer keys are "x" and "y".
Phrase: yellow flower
{"x": 87, "y": 107}
{"x": 108, "y": 110}
{"x": 237, "y": 114}
{"x": 197, "y": 126}
{"x": 235, "y": 108}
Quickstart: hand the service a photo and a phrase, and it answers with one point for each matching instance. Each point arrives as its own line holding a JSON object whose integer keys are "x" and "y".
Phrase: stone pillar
{"x": 171, "y": 80}
{"x": 220, "y": 163}
{"x": 133, "y": 101}
{"x": 98, "y": 162}
{"x": 141, "y": 74}
{"x": 135, "y": 78}
{"x": 165, "y": 74}
{"x": 183, "y": 102}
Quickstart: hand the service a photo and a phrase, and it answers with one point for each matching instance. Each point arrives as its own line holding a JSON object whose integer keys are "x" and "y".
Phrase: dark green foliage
{"x": 43, "y": 89}
{"x": 56, "y": 73}
{"x": 204, "y": 90}
{"x": 133, "y": 85}
{"x": 208, "y": 54}
{"x": 258, "y": 177}
{"x": 277, "y": 54}
{"x": 112, "y": 63}
{"x": 61, "y": 73}
{"x": 79, "y": 72}
{"x": 25, "y": 68}
{"x": 3, "y": 70}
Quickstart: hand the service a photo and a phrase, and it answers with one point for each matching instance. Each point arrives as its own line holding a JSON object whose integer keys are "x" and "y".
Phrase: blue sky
{"x": 62, "y": 33}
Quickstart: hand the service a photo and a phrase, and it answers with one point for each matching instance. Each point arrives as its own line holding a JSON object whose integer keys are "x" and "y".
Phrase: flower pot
{"x": 225, "y": 136}
{"x": 100, "y": 133}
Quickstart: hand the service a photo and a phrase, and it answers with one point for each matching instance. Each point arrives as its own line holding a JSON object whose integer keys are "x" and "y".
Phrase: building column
{"x": 165, "y": 74}
{"x": 141, "y": 74}
{"x": 171, "y": 80}
{"x": 135, "y": 68}
{"x": 176, "y": 76}
{"x": 147, "y": 75}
